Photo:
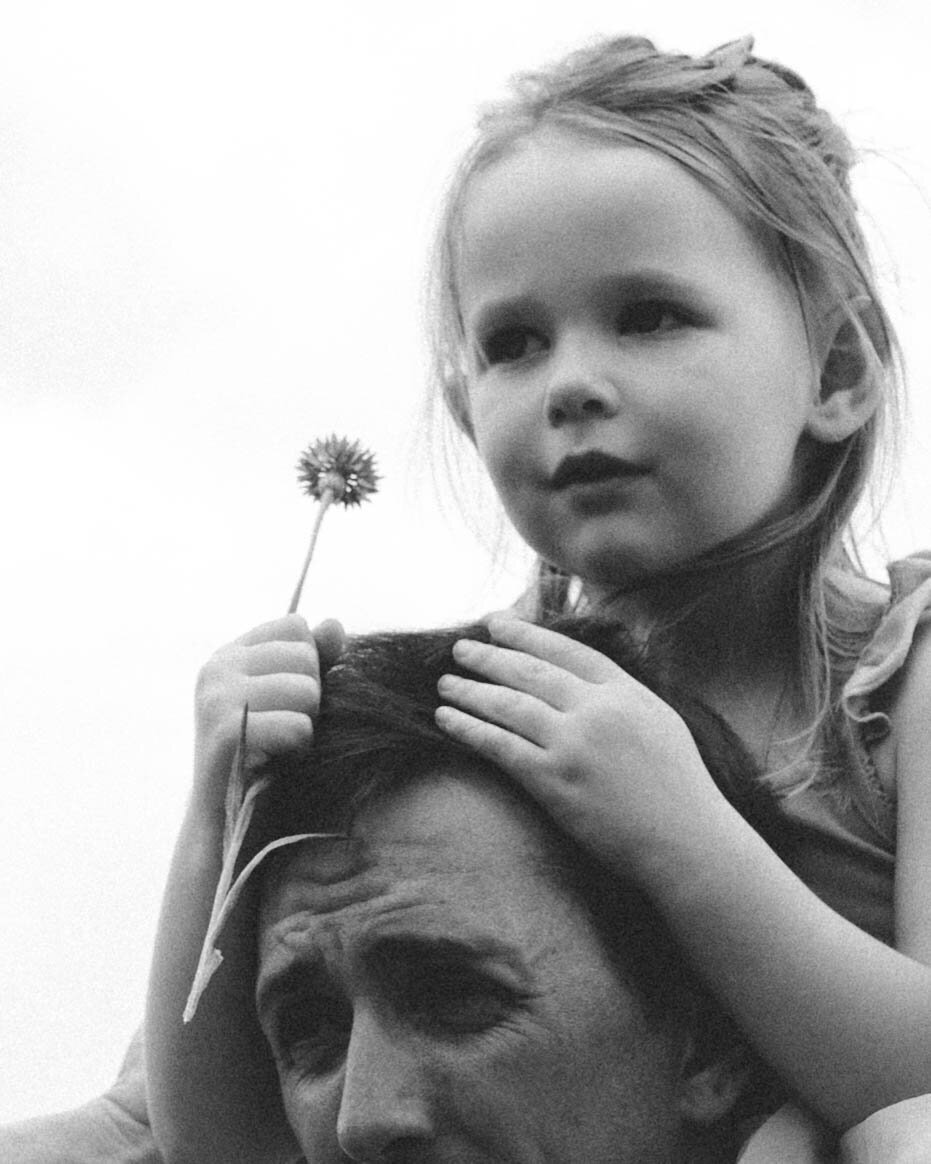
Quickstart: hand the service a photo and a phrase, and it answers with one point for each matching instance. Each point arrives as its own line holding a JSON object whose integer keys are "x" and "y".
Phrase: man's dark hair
{"x": 376, "y": 729}
{"x": 376, "y": 732}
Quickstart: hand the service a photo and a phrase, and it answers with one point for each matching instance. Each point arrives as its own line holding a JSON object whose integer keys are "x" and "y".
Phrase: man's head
{"x": 456, "y": 980}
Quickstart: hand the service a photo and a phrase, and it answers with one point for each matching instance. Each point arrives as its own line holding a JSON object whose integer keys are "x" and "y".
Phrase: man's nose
{"x": 580, "y": 387}
{"x": 384, "y": 1107}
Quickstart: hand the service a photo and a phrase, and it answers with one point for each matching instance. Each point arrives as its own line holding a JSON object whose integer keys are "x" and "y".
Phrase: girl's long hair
{"x": 752, "y": 132}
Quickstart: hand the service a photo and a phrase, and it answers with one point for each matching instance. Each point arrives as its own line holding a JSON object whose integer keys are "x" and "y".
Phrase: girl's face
{"x": 639, "y": 371}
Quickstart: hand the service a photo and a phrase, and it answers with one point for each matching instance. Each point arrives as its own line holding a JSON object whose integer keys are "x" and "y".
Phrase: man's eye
{"x": 646, "y": 317}
{"x": 463, "y": 1003}
{"x": 312, "y": 1038}
{"x": 509, "y": 344}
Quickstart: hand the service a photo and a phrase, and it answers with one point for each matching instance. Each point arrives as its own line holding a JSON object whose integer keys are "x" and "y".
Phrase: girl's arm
{"x": 843, "y": 1018}
{"x": 212, "y": 1092}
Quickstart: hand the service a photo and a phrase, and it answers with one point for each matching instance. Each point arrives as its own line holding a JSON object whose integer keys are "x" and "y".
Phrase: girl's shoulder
{"x": 903, "y": 759}
{"x": 887, "y": 693}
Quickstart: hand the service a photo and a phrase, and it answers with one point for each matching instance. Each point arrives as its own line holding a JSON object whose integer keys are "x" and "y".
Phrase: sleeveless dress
{"x": 847, "y": 829}
{"x": 846, "y": 855}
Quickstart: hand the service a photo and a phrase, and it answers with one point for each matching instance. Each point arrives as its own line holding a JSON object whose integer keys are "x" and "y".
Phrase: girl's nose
{"x": 578, "y": 392}
{"x": 384, "y": 1107}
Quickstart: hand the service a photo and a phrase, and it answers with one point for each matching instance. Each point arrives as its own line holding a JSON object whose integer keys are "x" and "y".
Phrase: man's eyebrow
{"x": 438, "y": 947}
{"x": 306, "y": 974}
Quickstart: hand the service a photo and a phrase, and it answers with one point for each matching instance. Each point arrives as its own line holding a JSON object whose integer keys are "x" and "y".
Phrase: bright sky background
{"x": 214, "y": 218}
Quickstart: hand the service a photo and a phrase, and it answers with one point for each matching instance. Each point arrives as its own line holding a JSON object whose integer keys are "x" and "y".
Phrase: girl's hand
{"x": 612, "y": 762}
{"x": 275, "y": 669}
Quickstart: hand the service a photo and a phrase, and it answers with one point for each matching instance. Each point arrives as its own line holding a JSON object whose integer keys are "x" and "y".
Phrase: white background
{"x": 214, "y": 219}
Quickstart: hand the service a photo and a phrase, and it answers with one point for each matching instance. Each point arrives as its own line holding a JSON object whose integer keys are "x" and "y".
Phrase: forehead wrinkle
{"x": 327, "y": 916}
{"x": 328, "y": 948}
{"x": 344, "y": 867}
{"x": 426, "y": 906}
{"x": 314, "y": 935}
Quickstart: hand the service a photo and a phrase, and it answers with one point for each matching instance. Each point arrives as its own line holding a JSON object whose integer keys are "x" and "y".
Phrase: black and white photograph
{"x": 466, "y": 582}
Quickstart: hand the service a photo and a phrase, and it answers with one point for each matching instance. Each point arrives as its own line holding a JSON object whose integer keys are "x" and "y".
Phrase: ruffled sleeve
{"x": 887, "y": 651}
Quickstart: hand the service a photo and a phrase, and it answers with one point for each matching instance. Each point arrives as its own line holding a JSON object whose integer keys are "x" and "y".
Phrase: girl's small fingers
{"x": 281, "y": 656}
{"x": 283, "y": 692}
{"x": 551, "y": 647}
{"x": 522, "y": 714}
{"x": 290, "y": 626}
{"x": 511, "y": 753}
{"x": 274, "y": 733}
{"x": 518, "y": 670}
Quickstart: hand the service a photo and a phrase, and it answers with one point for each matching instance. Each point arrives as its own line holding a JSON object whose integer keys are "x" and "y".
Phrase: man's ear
{"x": 710, "y": 1087}
{"x": 847, "y": 393}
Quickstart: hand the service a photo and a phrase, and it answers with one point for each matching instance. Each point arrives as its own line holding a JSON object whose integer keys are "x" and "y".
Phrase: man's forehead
{"x": 327, "y": 874}
{"x": 337, "y": 908}
{"x": 444, "y": 853}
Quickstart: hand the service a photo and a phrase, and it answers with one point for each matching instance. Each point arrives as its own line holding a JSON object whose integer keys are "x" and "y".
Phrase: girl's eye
{"x": 311, "y": 1038}
{"x": 509, "y": 344}
{"x": 646, "y": 317}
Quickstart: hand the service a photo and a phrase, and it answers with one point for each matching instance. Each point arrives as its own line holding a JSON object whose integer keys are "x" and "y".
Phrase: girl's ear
{"x": 848, "y": 393}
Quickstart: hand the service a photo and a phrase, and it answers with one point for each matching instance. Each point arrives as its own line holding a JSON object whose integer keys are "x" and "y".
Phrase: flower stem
{"x": 327, "y": 497}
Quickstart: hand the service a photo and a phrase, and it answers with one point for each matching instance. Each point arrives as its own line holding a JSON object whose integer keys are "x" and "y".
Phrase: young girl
{"x": 658, "y": 324}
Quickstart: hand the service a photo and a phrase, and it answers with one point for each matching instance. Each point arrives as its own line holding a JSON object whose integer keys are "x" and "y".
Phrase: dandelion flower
{"x": 338, "y": 465}
{"x": 334, "y": 469}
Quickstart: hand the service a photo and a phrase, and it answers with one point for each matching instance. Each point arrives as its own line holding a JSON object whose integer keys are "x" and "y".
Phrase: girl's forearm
{"x": 211, "y": 1091}
{"x": 845, "y": 1019}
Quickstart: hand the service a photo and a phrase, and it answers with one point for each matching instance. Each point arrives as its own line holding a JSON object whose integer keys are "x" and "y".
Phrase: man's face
{"x": 430, "y": 994}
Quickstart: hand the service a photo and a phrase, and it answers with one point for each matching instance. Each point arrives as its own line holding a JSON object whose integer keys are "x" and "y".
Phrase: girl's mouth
{"x": 594, "y": 466}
